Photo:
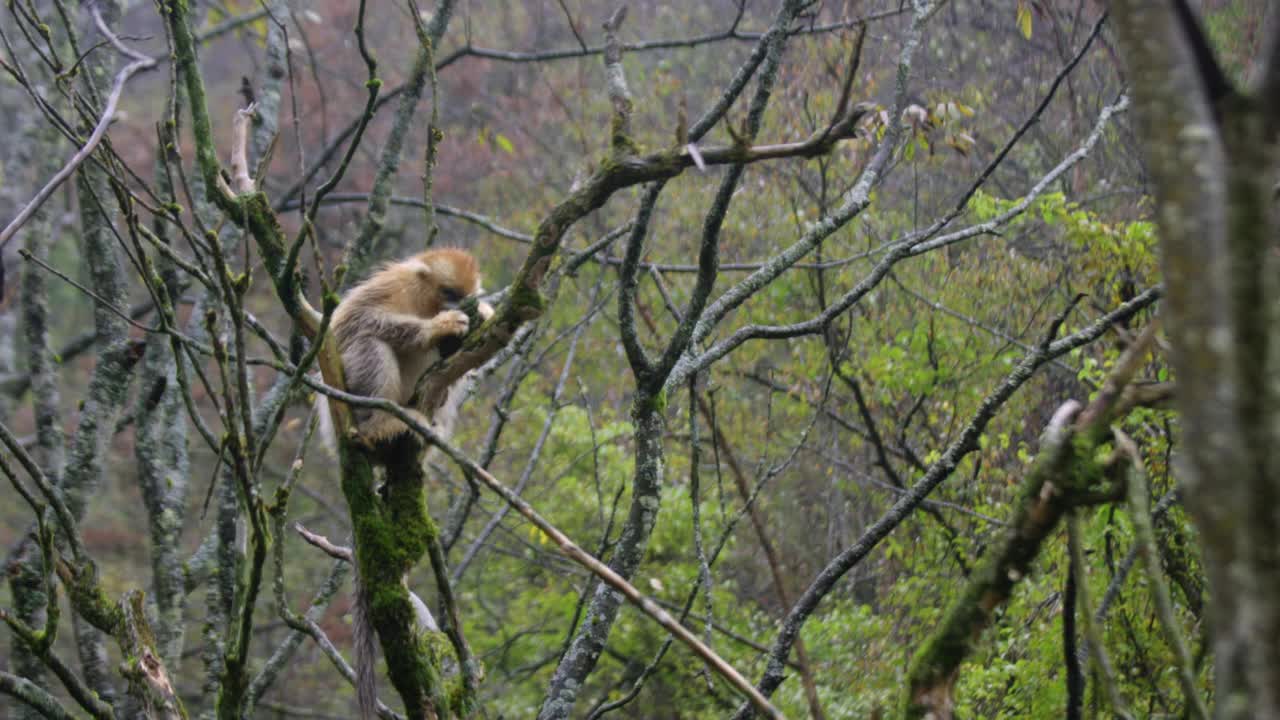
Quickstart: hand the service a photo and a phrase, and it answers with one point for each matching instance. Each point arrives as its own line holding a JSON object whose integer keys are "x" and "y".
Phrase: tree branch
{"x": 939, "y": 471}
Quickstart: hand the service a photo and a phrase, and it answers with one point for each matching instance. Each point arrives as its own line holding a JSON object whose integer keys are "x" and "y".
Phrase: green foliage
{"x": 1110, "y": 257}
{"x": 926, "y": 346}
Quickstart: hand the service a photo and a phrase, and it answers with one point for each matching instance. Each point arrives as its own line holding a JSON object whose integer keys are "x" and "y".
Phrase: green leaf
{"x": 1024, "y": 19}
{"x": 505, "y": 143}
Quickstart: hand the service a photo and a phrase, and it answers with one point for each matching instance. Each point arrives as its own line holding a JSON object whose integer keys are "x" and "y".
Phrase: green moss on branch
{"x": 392, "y": 530}
{"x": 1066, "y": 469}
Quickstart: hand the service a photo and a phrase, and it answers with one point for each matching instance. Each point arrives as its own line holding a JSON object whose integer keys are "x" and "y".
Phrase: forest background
{"x": 825, "y": 278}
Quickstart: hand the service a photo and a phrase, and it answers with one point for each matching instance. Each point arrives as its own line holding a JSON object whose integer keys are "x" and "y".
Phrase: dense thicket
{"x": 914, "y": 357}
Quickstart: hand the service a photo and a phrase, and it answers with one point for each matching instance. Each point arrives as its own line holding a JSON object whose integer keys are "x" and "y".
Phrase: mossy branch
{"x": 1066, "y": 474}
{"x": 148, "y": 678}
{"x": 126, "y": 622}
{"x": 249, "y": 209}
{"x": 392, "y": 532}
{"x": 34, "y": 696}
{"x": 1065, "y": 465}
{"x": 40, "y": 643}
{"x": 176, "y": 14}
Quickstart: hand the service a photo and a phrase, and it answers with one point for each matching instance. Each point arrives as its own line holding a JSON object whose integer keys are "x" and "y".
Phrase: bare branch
{"x": 240, "y": 150}
{"x": 90, "y": 144}
{"x": 337, "y": 552}
{"x": 903, "y": 249}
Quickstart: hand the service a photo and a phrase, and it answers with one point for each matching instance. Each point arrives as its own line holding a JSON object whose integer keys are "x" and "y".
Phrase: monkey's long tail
{"x": 362, "y": 636}
{"x": 328, "y": 436}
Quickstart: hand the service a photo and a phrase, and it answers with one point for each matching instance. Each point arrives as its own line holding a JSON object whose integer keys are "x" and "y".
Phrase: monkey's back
{"x": 397, "y": 288}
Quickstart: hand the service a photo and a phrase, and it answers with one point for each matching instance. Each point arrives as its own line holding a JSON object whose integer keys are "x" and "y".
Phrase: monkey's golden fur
{"x": 389, "y": 326}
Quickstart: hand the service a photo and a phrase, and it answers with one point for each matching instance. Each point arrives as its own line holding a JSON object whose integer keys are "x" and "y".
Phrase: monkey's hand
{"x": 477, "y": 312}
{"x": 449, "y": 323}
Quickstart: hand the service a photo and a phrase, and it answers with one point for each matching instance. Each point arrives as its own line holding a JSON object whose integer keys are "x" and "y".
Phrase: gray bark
{"x": 25, "y": 579}
{"x": 1212, "y": 154}
{"x": 646, "y": 498}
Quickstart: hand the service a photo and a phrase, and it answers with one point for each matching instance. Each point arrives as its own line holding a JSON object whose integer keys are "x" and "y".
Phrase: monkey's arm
{"x": 403, "y": 331}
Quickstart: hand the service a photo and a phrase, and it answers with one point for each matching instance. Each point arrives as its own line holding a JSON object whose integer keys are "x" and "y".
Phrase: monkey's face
{"x": 452, "y": 294}
{"x": 450, "y": 276}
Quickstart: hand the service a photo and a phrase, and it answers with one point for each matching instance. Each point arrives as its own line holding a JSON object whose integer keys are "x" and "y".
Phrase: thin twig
{"x": 337, "y": 552}
{"x": 140, "y": 64}
{"x": 1145, "y": 537}
{"x": 1102, "y": 663}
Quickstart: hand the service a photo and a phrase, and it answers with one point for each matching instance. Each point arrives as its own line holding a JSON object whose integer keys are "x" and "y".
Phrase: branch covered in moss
{"x": 1064, "y": 468}
{"x": 1066, "y": 474}
{"x": 249, "y": 210}
{"x": 392, "y": 532}
{"x": 34, "y": 696}
{"x": 126, "y": 622}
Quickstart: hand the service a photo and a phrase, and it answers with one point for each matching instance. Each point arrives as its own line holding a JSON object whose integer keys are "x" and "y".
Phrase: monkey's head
{"x": 449, "y": 276}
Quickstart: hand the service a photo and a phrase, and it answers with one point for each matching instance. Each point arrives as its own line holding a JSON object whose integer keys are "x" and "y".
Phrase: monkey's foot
{"x": 384, "y": 427}
{"x": 360, "y": 440}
